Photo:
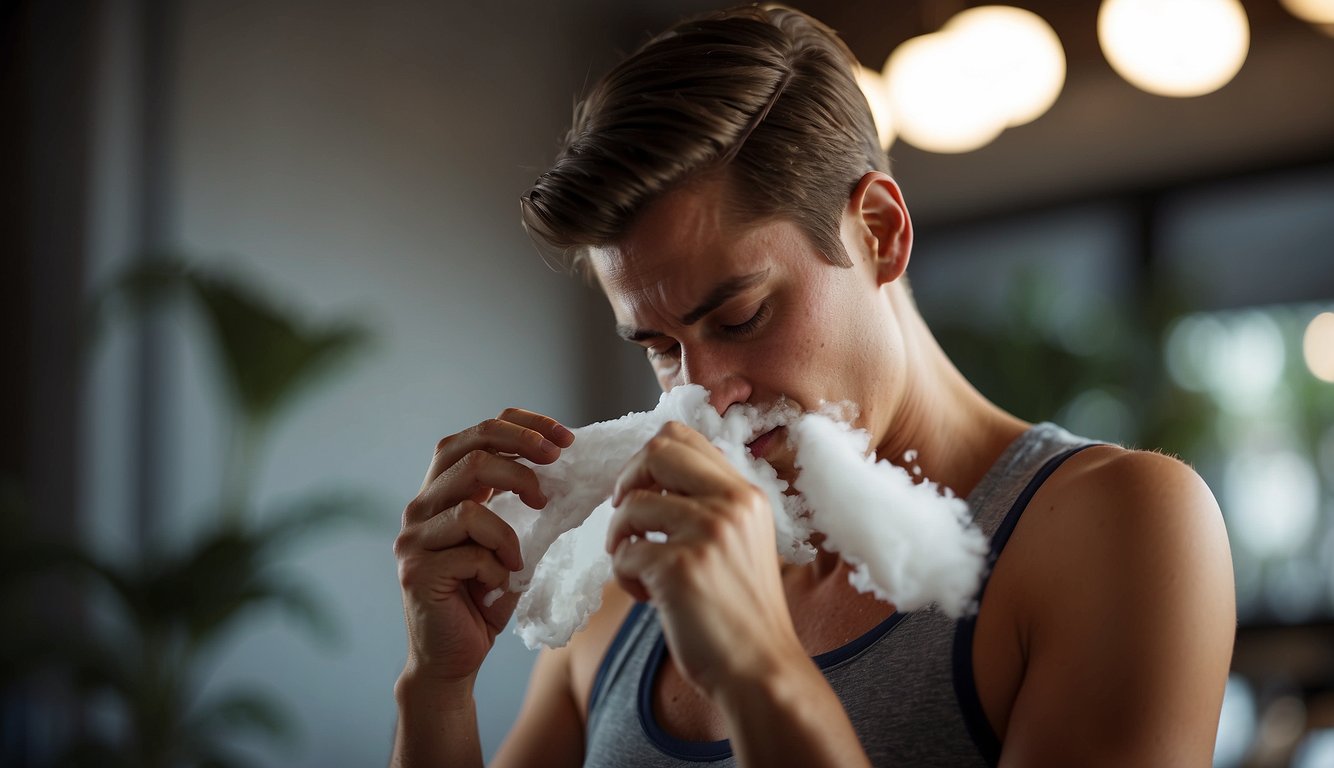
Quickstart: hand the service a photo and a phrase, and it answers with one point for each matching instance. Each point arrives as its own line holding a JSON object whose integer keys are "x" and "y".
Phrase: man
{"x": 726, "y": 188}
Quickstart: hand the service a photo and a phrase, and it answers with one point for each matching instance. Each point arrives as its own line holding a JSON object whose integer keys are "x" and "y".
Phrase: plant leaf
{"x": 268, "y": 355}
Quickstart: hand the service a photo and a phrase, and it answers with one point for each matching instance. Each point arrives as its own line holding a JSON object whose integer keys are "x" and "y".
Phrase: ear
{"x": 880, "y": 218}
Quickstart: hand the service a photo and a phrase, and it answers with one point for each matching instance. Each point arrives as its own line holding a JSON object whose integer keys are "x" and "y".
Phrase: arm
{"x": 1128, "y": 650}
{"x": 436, "y": 725}
{"x": 789, "y": 716}
{"x": 451, "y": 552}
{"x": 549, "y": 730}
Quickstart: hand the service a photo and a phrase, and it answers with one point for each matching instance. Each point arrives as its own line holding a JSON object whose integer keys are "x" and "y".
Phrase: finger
{"x": 498, "y": 613}
{"x": 470, "y": 521}
{"x": 643, "y": 511}
{"x": 628, "y": 563}
{"x": 641, "y": 566}
{"x": 498, "y": 436}
{"x": 673, "y": 461}
{"x": 472, "y": 562}
{"x": 467, "y": 479}
{"x": 545, "y": 425}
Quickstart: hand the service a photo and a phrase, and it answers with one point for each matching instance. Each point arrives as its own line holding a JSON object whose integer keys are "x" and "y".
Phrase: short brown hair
{"x": 764, "y": 97}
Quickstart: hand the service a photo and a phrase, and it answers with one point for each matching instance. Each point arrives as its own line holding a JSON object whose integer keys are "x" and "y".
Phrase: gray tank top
{"x": 907, "y": 684}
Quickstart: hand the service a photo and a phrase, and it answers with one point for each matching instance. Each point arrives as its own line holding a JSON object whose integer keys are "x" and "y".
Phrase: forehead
{"x": 685, "y": 242}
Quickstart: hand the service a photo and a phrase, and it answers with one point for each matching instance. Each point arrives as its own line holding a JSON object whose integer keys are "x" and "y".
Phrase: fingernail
{"x": 548, "y": 447}
{"x": 564, "y": 434}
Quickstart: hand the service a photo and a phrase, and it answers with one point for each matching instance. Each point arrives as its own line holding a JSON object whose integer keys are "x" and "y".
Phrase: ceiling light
{"x": 1314, "y": 11}
{"x": 987, "y": 69}
{"x": 1174, "y": 47}
{"x": 1318, "y": 346}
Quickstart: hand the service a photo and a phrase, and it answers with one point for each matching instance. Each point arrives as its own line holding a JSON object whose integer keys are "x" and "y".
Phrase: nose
{"x": 716, "y": 373}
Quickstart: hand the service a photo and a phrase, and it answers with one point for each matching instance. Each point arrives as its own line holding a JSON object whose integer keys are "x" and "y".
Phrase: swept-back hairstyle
{"x": 762, "y": 97}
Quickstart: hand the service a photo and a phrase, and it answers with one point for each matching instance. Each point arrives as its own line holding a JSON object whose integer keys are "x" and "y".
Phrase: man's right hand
{"x": 452, "y": 550}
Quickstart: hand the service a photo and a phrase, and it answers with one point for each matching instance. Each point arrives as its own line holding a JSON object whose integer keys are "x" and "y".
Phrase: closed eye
{"x": 662, "y": 353}
{"x": 741, "y": 330}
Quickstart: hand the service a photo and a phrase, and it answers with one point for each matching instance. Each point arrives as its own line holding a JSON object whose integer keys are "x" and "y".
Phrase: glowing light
{"x": 1190, "y": 342}
{"x": 1315, "y": 749}
{"x": 1246, "y": 362}
{"x": 1099, "y": 413}
{"x": 1024, "y": 55}
{"x": 1314, "y": 11}
{"x": 937, "y": 99}
{"x": 1174, "y": 47}
{"x": 877, "y": 96}
{"x": 1271, "y": 501}
{"x": 987, "y": 69}
{"x": 1237, "y": 358}
{"x": 1318, "y": 346}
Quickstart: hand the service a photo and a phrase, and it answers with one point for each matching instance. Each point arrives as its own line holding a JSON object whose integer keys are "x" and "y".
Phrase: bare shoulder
{"x": 1107, "y": 496}
{"x": 1110, "y": 476}
{"x": 1137, "y": 523}
{"x": 1125, "y": 601}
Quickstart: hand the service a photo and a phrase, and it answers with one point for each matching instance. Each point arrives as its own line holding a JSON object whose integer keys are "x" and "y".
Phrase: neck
{"x": 956, "y": 433}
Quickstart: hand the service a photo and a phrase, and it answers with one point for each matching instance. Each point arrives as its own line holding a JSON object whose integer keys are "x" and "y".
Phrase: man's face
{"x": 753, "y": 312}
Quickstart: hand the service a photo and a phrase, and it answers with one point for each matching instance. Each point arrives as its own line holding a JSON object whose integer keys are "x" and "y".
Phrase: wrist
{"x": 417, "y": 686}
{"x": 789, "y": 715}
{"x": 773, "y": 677}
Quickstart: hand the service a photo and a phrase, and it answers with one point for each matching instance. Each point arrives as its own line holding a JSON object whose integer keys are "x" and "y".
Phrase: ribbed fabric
{"x": 907, "y": 684}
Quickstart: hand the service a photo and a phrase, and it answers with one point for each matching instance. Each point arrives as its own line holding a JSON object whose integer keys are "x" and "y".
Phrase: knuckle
{"x": 509, "y": 414}
{"x": 403, "y": 544}
{"x": 745, "y": 496}
{"x": 474, "y": 459}
{"x": 466, "y": 512}
{"x": 443, "y": 443}
{"x": 714, "y": 527}
{"x": 452, "y": 516}
{"x": 411, "y": 512}
{"x": 658, "y": 442}
{"x": 490, "y": 428}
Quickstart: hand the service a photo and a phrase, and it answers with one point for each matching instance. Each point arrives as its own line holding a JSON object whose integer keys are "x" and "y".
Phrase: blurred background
{"x": 259, "y": 256}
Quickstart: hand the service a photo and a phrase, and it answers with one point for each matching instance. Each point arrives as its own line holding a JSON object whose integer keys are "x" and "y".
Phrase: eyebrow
{"x": 716, "y": 298}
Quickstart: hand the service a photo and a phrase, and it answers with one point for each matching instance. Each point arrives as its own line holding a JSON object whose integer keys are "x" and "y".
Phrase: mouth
{"x": 758, "y": 445}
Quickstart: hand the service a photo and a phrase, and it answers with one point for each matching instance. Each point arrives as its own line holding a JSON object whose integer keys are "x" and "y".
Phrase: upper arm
{"x": 549, "y": 730}
{"x": 1129, "y": 643}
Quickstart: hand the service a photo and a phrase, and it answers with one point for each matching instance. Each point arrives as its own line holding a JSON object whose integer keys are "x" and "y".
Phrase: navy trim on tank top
{"x": 703, "y": 751}
{"x": 965, "y": 687}
{"x": 600, "y": 678}
{"x": 694, "y": 751}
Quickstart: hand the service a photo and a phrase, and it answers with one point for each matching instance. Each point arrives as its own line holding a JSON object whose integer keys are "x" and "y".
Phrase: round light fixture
{"x": 1023, "y": 54}
{"x": 988, "y": 68}
{"x": 1318, "y": 346}
{"x": 1314, "y": 11}
{"x": 1174, "y": 47}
